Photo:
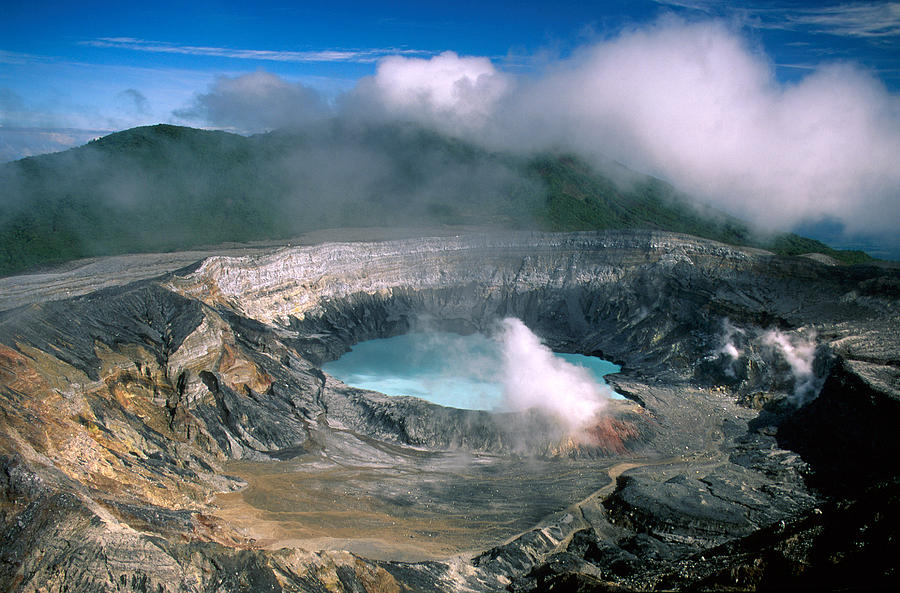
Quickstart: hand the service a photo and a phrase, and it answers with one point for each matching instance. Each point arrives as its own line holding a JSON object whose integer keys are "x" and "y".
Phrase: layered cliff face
{"x": 177, "y": 433}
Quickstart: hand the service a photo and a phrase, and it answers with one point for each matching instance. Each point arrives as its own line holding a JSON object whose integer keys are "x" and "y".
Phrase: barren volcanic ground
{"x": 177, "y": 433}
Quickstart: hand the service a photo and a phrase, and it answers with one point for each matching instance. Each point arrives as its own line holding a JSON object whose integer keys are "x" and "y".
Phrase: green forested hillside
{"x": 166, "y": 187}
{"x": 579, "y": 198}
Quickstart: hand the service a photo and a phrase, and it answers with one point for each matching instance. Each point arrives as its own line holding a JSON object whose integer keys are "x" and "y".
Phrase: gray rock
{"x": 120, "y": 407}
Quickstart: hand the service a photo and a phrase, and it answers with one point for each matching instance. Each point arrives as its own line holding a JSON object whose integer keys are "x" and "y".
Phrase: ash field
{"x": 165, "y": 424}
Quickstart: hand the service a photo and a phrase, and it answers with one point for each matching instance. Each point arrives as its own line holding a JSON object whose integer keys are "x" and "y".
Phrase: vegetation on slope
{"x": 578, "y": 198}
{"x": 166, "y": 187}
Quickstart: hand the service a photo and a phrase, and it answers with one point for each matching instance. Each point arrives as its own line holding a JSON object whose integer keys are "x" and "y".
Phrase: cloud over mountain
{"x": 693, "y": 102}
{"x": 451, "y": 93}
{"x": 696, "y": 104}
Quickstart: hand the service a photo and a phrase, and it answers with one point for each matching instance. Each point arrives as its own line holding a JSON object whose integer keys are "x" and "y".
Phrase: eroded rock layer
{"x": 178, "y": 433}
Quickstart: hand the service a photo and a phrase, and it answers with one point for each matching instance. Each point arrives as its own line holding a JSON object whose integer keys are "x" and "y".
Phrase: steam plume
{"x": 800, "y": 354}
{"x": 728, "y": 347}
{"x": 534, "y": 378}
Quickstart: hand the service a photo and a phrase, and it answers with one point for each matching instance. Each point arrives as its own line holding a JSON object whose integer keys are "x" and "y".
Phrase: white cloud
{"x": 694, "y": 104}
{"x": 18, "y": 58}
{"x": 877, "y": 20}
{"x": 450, "y": 92}
{"x": 363, "y": 56}
{"x": 869, "y": 20}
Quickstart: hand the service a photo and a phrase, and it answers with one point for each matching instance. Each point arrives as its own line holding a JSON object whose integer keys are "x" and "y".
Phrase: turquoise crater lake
{"x": 445, "y": 368}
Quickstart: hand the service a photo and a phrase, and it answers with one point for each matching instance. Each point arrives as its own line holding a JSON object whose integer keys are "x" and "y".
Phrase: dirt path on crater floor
{"x": 430, "y": 511}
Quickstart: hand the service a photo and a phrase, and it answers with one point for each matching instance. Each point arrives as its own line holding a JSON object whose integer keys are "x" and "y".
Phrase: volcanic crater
{"x": 176, "y": 432}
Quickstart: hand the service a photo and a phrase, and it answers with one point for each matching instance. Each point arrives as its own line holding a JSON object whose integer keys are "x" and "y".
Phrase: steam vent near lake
{"x": 166, "y": 424}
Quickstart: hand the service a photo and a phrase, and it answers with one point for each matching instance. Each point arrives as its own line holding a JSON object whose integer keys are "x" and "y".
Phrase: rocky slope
{"x": 754, "y": 449}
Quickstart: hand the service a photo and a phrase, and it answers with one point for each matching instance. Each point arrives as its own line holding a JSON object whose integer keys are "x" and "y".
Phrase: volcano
{"x": 167, "y": 426}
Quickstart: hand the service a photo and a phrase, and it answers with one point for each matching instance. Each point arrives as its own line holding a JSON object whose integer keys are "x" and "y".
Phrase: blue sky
{"x": 818, "y": 78}
{"x": 73, "y": 64}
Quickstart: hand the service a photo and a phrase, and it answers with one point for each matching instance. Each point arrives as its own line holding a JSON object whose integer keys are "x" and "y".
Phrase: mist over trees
{"x": 163, "y": 187}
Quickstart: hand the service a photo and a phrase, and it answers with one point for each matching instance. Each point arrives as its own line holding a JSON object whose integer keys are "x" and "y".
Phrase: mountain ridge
{"x": 168, "y": 188}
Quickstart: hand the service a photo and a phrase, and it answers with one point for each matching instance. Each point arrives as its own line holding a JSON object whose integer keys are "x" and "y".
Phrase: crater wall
{"x": 120, "y": 407}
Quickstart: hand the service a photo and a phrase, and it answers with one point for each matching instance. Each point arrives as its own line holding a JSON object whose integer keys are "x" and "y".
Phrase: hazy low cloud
{"x": 133, "y": 101}
{"x": 256, "y": 102}
{"x": 695, "y": 104}
{"x": 17, "y": 143}
{"x": 692, "y": 102}
{"x": 12, "y": 107}
{"x": 27, "y": 132}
